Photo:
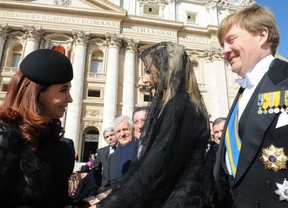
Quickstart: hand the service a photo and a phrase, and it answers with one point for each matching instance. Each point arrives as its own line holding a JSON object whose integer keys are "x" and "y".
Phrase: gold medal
{"x": 282, "y": 190}
{"x": 274, "y": 158}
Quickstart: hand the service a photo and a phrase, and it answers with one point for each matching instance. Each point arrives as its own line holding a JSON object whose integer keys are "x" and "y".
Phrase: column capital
{"x": 4, "y": 30}
{"x": 213, "y": 54}
{"x": 131, "y": 45}
{"x": 114, "y": 40}
{"x": 33, "y": 33}
{"x": 81, "y": 37}
{"x": 211, "y": 5}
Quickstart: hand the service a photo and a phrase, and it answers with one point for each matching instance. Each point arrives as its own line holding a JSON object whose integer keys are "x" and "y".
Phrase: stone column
{"x": 211, "y": 14}
{"x": 73, "y": 117}
{"x": 129, "y": 77}
{"x": 33, "y": 36}
{"x": 4, "y": 30}
{"x": 217, "y": 80}
{"x": 110, "y": 95}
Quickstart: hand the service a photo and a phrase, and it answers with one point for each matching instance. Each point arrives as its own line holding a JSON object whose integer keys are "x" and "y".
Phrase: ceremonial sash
{"x": 232, "y": 140}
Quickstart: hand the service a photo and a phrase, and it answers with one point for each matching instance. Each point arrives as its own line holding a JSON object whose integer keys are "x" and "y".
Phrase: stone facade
{"x": 103, "y": 40}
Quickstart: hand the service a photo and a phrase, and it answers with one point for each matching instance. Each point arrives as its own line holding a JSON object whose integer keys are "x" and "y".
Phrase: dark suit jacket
{"x": 254, "y": 184}
{"x": 124, "y": 158}
{"x": 111, "y": 166}
{"x": 103, "y": 159}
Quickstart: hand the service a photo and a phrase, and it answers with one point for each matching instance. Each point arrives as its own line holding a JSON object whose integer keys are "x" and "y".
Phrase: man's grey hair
{"x": 218, "y": 120}
{"x": 108, "y": 129}
{"x": 123, "y": 118}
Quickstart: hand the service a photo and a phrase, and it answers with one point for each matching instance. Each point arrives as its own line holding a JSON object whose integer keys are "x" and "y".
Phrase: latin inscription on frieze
{"x": 57, "y": 18}
{"x": 148, "y": 31}
{"x": 194, "y": 39}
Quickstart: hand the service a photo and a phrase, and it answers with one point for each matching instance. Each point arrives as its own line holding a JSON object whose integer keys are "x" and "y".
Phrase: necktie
{"x": 232, "y": 140}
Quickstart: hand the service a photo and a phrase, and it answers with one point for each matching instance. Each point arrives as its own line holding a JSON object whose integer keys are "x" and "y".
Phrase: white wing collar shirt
{"x": 251, "y": 80}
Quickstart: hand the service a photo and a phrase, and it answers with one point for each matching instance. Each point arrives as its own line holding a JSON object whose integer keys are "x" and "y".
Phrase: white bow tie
{"x": 247, "y": 81}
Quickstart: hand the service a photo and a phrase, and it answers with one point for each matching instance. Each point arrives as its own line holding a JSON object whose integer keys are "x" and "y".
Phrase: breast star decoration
{"x": 274, "y": 158}
{"x": 282, "y": 190}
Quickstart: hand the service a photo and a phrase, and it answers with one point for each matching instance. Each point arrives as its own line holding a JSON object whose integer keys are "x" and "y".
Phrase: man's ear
{"x": 263, "y": 34}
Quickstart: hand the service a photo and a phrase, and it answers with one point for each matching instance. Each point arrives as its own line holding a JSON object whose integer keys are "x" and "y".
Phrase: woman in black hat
{"x": 35, "y": 160}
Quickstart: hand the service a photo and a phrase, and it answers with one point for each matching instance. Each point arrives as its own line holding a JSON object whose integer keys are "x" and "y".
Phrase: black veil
{"x": 176, "y": 99}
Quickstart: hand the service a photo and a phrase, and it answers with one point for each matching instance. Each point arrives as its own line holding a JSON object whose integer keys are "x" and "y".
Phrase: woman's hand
{"x": 92, "y": 200}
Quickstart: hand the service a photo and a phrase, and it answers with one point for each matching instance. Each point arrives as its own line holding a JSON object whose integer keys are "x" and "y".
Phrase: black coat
{"x": 36, "y": 179}
{"x": 86, "y": 187}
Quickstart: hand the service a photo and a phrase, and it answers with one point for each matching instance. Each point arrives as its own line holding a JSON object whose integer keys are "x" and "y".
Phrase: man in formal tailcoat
{"x": 250, "y": 169}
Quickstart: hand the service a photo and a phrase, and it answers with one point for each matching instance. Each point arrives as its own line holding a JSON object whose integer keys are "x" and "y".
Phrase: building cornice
{"x": 119, "y": 15}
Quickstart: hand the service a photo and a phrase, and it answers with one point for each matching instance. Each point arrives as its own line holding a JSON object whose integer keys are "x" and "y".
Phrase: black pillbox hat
{"x": 47, "y": 67}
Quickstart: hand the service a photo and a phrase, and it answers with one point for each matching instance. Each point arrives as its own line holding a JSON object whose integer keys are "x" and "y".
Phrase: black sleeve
{"x": 67, "y": 147}
{"x": 10, "y": 147}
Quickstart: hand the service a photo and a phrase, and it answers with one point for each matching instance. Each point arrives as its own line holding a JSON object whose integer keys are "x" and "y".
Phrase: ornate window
{"x": 97, "y": 63}
{"x": 15, "y": 56}
{"x": 16, "y": 60}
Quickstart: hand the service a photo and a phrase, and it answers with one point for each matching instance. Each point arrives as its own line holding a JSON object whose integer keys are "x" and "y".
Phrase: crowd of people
{"x": 167, "y": 154}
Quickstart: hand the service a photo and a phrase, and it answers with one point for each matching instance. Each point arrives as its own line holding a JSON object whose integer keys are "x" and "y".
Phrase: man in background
{"x": 120, "y": 161}
{"x": 101, "y": 162}
{"x": 218, "y": 126}
{"x": 139, "y": 116}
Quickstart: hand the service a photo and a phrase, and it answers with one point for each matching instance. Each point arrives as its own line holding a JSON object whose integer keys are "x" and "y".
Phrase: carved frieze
{"x": 65, "y": 3}
{"x": 235, "y": 3}
{"x": 155, "y": 1}
{"x": 4, "y": 30}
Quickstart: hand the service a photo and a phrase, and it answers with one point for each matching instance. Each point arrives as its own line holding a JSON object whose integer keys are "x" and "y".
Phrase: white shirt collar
{"x": 253, "y": 78}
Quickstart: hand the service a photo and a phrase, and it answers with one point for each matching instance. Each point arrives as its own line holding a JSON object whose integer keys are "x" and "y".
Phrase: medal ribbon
{"x": 266, "y": 100}
{"x": 286, "y": 98}
{"x": 277, "y": 99}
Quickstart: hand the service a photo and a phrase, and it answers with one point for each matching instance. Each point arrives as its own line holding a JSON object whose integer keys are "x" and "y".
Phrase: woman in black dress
{"x": 35, "y": 160}
{"x": 168, "y": 169}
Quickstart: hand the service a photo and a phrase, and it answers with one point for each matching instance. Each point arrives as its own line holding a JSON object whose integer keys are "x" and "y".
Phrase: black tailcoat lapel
{"x": 253, "y": 126}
